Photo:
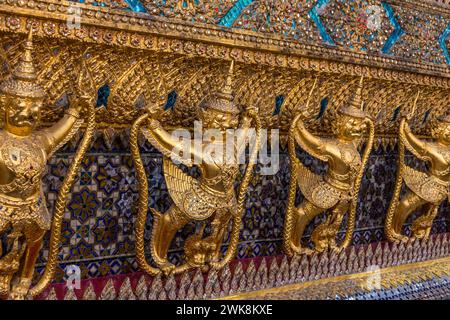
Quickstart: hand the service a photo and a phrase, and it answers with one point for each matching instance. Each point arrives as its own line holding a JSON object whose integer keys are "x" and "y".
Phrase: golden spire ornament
{"x": 355, "y": 108}
{"x": 222, "y": 100}
{"x": 22, "y": 82}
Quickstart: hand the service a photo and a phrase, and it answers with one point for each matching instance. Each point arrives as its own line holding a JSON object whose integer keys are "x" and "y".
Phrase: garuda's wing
{"x": 188, "y": 195}
{"x": 424, "y": 186}
{"x": 319, "y": 155}
{"x": 315, "y": 189}
{"x": 178, "y": 183}
{"x": 312, "y": 185}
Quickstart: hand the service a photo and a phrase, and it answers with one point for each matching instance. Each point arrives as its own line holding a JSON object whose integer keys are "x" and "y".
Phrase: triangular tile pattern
{"x": 256, "y": 274}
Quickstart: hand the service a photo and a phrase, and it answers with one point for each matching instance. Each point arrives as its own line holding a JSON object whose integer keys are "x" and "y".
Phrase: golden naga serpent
{"x": 60, "y": 205}
{"x": 143, "y": 201}
{"x": 143, "y": 197}
{"x": 388, "y": 227}
{"x": 295, "y": 163}
{"x": 293, "y": 180}
{"x": 357, "y": 186}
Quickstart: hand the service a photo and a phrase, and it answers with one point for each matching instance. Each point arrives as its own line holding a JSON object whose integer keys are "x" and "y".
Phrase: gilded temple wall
{"x": 98, "y": 229}
{"x": 279, "y": 48}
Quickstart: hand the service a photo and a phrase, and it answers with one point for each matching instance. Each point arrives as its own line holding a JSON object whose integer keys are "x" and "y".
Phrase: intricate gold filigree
{"x": 23, "y": 157}
{"x": 338, "y": 189}
{"x": 424, "y": 190}
{"x": 211, "y": 197}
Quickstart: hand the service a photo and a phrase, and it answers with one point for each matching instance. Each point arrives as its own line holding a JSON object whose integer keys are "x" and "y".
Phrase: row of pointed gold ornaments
{"x": 24, "y": 151}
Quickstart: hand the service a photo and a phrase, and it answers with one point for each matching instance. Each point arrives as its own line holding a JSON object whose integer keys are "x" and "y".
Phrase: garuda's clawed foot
{"x": 302, "y": 250}
{"x": 399, "y": 237}
{"x": 334, "y": 247}
{"x": 167, "y": 268}
{"x": 20, "y": 290}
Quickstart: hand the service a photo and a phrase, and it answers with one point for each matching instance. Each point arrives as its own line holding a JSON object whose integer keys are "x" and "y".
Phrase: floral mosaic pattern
{"x": 420, "y": 28}
{"x": 370, "y": 23}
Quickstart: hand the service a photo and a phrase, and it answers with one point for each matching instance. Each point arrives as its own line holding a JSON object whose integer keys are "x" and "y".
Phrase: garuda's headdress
{"x": 223, "y": 100}
{"x": 22, "y": 82}
{"x": 355, "y": 106}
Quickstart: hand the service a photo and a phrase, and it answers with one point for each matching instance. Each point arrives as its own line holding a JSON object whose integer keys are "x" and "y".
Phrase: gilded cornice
{"x": 133, "y": 52}
{"x": 142, "y": 31}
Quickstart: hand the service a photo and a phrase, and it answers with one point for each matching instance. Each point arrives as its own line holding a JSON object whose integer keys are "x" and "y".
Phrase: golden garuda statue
{"x": 209, "y": 198}
{"x": 425, "y": 190}
{"x": 338, "y": 189}
{"x": 24, "y": 151}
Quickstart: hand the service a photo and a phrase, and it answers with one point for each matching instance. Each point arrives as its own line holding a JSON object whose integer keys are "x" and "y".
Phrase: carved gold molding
{"x": 390, "y": 277}
{"x": 142, "y": 31}
{"x": 127, "y": 49}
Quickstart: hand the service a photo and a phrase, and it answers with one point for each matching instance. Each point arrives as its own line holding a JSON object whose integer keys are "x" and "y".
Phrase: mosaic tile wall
{"x": 99, "y": 222}
{"x": 380, "y": 27}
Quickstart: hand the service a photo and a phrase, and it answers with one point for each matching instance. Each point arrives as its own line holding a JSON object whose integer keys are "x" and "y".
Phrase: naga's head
{"x": 351, "y": 121}
{"x": 21, "y": 96}
{"x": 218, "y": 111}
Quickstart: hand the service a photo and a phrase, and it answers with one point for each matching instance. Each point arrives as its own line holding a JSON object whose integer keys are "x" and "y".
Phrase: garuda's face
{"x": 352, "y": 127}
{"x": 213, "y": 119}
{"x": 21, "y": 115}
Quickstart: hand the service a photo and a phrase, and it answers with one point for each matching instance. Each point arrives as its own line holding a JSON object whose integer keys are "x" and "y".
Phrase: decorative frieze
{"x": 424, "y": 260}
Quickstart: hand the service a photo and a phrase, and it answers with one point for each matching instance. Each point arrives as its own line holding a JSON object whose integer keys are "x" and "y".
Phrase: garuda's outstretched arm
{"x": 244, "y": 131}
{"x": 62, "y": 130}
{"x": 412, "y": 143}
{"x": 312, "y": 144}
{"x": 168, "y": 145}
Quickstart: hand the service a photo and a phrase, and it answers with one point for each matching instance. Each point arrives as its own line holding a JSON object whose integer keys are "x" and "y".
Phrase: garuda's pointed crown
{"x": 355, "y": 106}
{"x": 22, "y": 82}
{"x": 223, "y": 100}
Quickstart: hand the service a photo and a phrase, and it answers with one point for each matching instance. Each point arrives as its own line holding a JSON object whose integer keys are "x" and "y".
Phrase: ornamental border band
{"x": 320, "y": 209}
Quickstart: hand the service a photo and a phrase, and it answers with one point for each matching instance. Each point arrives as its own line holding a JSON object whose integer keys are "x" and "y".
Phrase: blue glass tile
{"x": 279, "y": 100}
{"x": 103, "y": 96}
{"x": 314, "y": 15}
{"x": 230, "y": 17}
{"x": 398, "y": 31}
{"x": 323, "y": 108}
{"x": 442, "y": 40}
{"x": 136, "y": 5}
{"x": 171, "y": 100}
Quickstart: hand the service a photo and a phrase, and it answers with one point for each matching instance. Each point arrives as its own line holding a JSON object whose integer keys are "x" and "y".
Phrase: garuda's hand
{"x": 250, "y": 113}
{"x": 154, "y": 112}
{"x": 81, "y": 100}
